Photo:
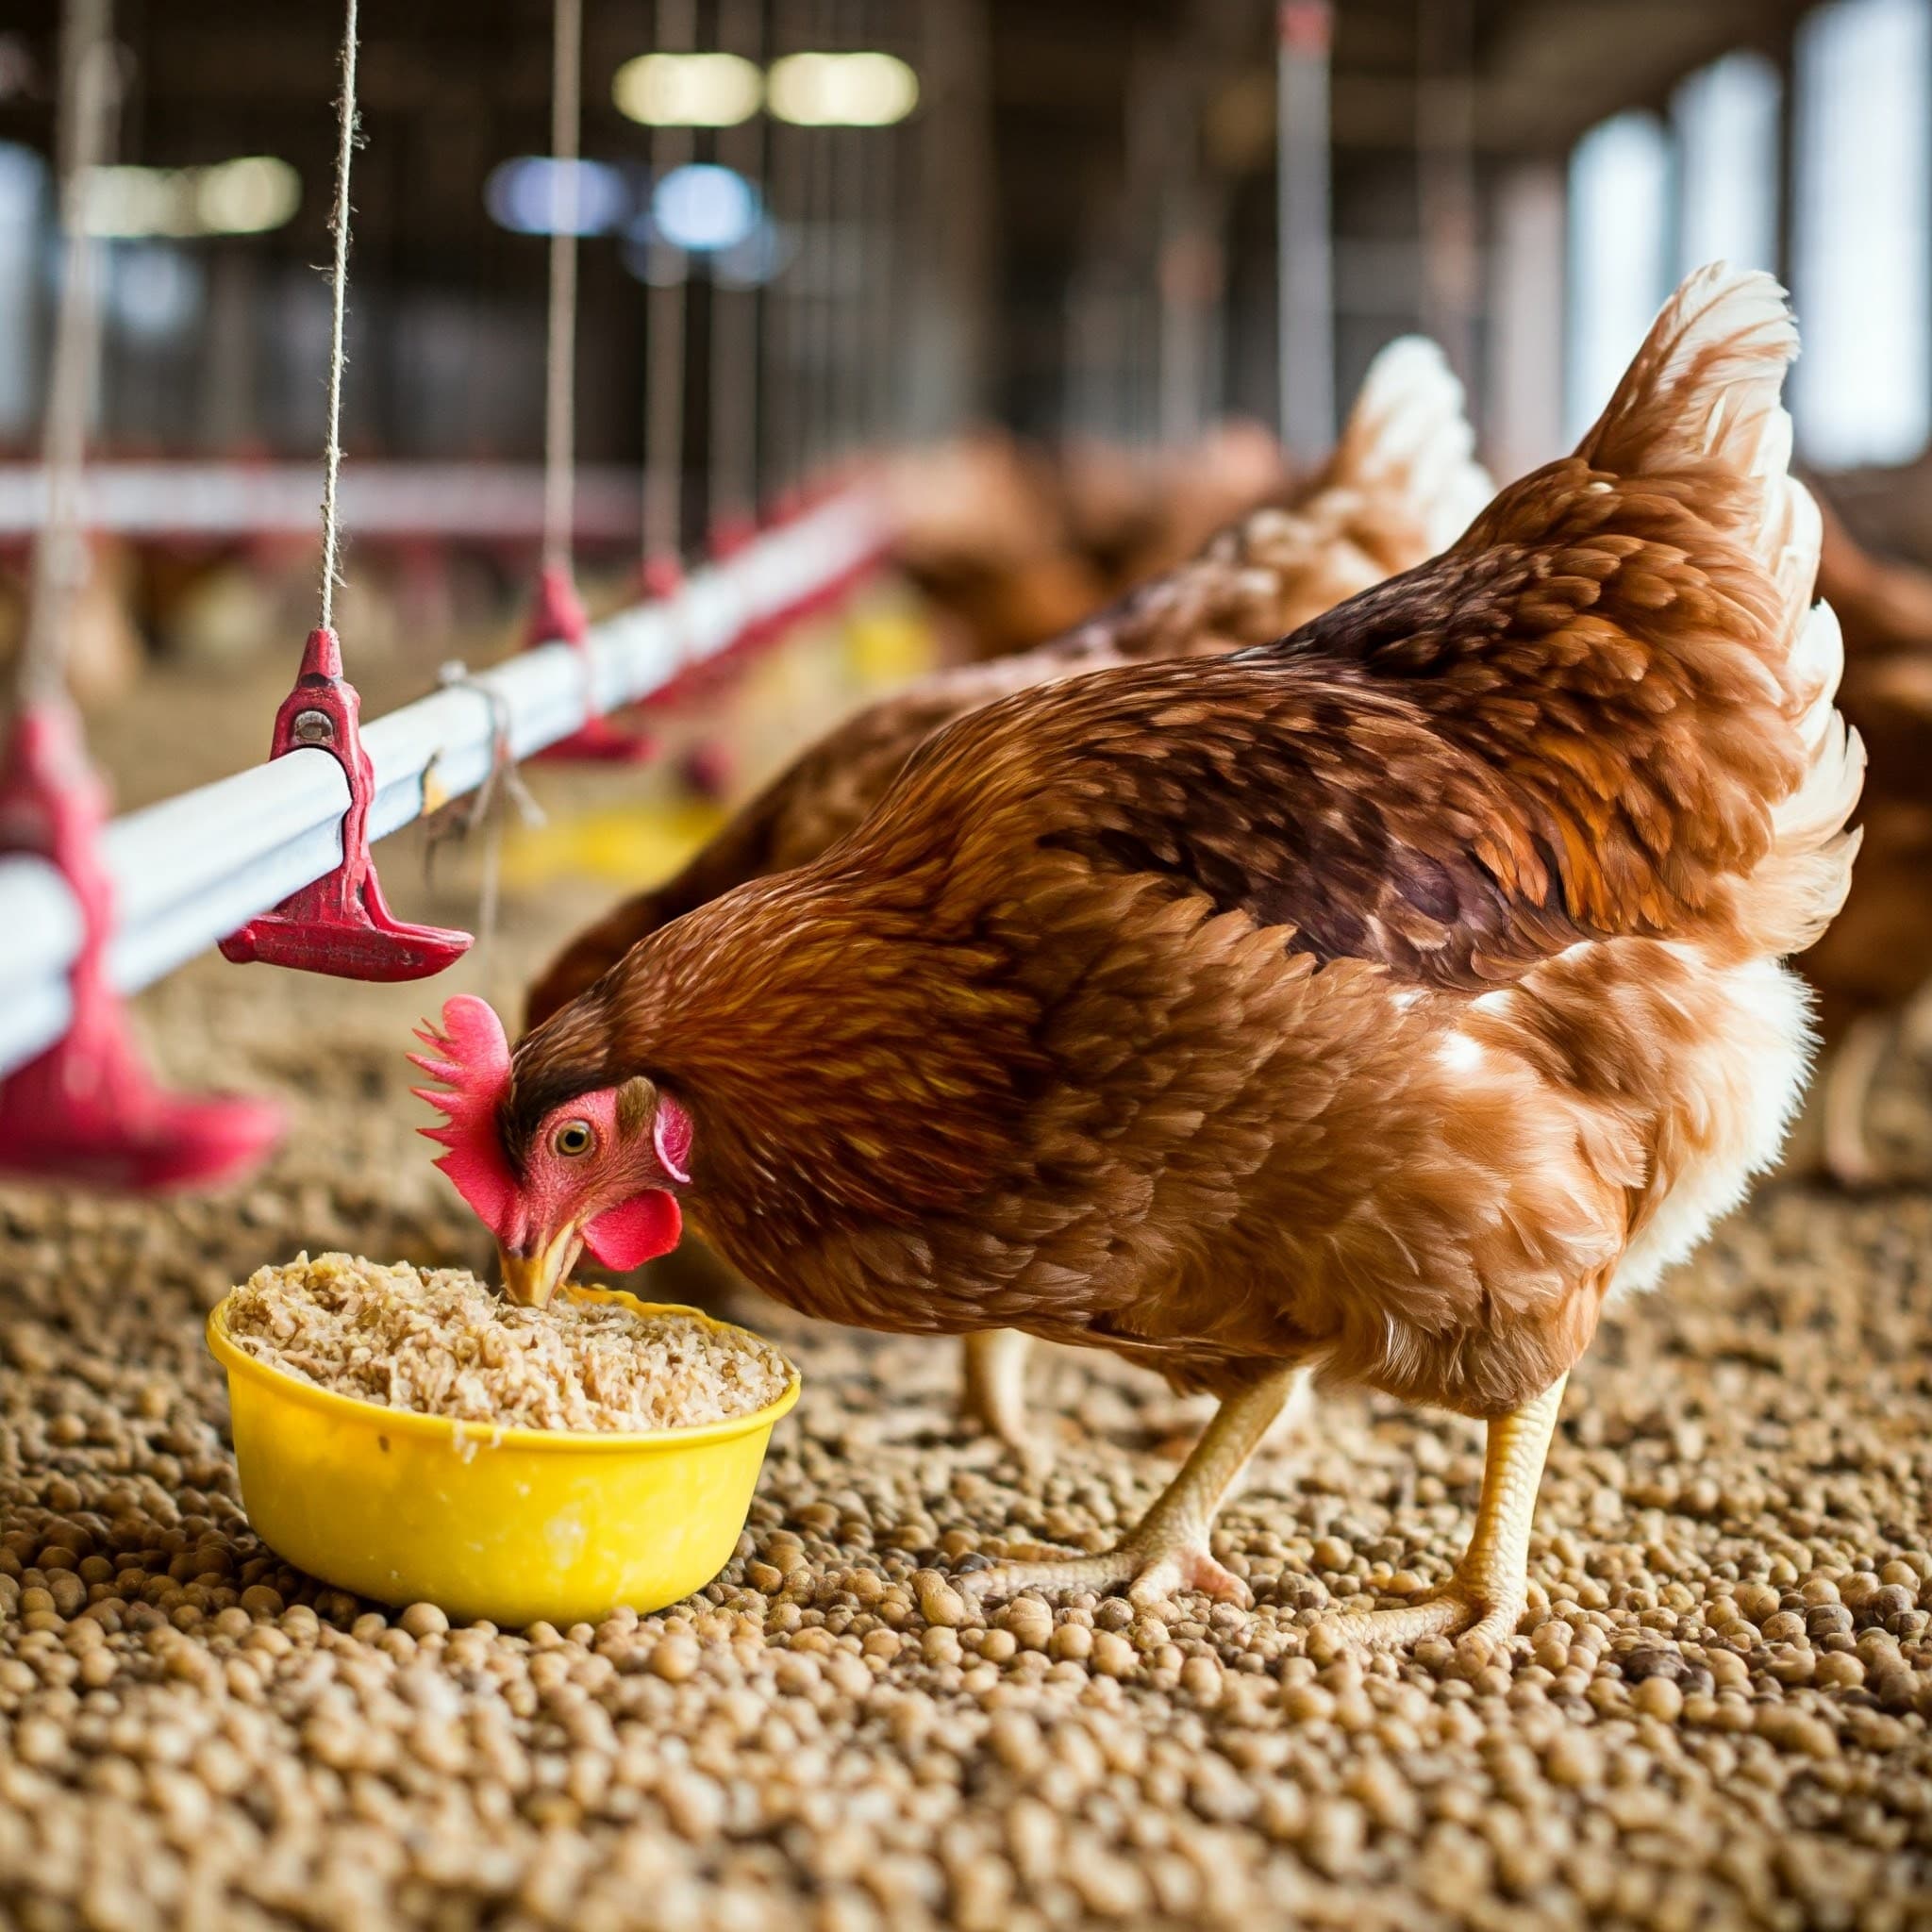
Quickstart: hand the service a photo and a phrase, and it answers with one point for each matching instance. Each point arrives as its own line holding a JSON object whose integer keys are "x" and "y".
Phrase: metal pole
{"x": 878, "y": 261}
{"x": 817, "y": 269}
{"x": 671, "y": 147}
{"x": 1445, "y": 176}
{"x": 60, "y": 556}
{"x": 734, "y": 311}
{"x": 1306, "y": 273}
{"x": 784, "y": 416}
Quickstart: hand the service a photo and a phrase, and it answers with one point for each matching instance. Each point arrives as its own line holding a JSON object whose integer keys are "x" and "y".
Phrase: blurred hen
{"x": 1875, "y": 963}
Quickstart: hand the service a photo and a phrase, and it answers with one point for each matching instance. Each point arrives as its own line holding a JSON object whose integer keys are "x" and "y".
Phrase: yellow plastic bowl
{"x": 516, "y": 1525}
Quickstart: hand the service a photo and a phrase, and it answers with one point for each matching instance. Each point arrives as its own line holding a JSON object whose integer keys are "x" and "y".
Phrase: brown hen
{"x": 1381, "y": 1000}
{"x": 1402, "y": 483}
{"x": 1875, "y": 965}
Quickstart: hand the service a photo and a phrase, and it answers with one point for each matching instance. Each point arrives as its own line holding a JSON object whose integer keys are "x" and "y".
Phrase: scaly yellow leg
{"x": 1167, "y": 1550}
{"x": 1849, "y": 1076}
{"x": 992, "y": 1391}
{"x": 1483, "y": 1600}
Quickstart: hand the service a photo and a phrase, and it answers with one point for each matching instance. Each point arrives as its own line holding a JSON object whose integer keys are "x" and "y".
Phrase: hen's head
{"x": 599, "y": 1170}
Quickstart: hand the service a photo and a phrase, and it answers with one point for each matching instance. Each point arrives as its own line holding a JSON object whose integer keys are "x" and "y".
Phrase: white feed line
{"x": 479, "y": 502}
{"x": 187, "y": 871}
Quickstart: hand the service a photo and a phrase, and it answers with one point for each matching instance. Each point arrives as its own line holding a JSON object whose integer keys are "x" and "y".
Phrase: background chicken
{"x": 1876, "y": 959}
{"x": 1403, "y": 482}
{"x": 1381, "y": 1000}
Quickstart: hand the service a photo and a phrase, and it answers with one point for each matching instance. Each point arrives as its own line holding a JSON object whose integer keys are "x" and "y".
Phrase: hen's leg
{"x": 1847, "y": 1088}
{"x": 1484, "y": 1599}
{"x": 1167, "y": 1550}
{"x": 992, "y": 1391}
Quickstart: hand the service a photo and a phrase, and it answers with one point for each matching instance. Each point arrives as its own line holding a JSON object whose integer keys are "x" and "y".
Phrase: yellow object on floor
{"x": 632, "y": 845}
{"x": 518, "y": 1525}
{"x": 804, "y": 684}
{"x": 890, "y": 643}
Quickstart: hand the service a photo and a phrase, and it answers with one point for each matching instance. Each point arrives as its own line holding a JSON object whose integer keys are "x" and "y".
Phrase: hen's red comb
{"x": 471, "y": 1058}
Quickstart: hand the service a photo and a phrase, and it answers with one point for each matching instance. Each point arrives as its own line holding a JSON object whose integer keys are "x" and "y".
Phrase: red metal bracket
{"x": 340, "y": 924}
{"x": 87, "y": 1112}
{"x": 559, "y": 618}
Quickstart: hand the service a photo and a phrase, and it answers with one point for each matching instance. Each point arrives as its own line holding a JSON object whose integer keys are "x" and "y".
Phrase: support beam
{"x": 1305, "y": 243}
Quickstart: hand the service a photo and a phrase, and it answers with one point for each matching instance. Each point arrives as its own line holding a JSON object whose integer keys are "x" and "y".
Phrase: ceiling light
{"x": 248, "y": 196}
{"x": 538, "y": 194}
{"x": 687, "y": 90}
{"x": 841, "y": 89}
{"x": 702, "y": 208}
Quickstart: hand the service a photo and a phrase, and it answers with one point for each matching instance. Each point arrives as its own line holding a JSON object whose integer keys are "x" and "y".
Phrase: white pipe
{"x": 471, "y": 502}
{"x": 187, "y": 871}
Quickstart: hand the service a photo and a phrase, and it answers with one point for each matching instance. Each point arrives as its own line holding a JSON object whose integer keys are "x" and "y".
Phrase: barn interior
{"x": 706, "y": 372}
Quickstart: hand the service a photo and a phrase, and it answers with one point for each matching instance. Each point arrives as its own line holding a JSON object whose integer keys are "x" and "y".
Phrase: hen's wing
{"x": 1603, "y": 713}
{"x": 1403, "y": 482}
{"x": 815, "y": 801}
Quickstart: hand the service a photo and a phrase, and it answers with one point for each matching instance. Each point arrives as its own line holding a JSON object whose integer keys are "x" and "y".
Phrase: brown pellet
{"x": 422, "y": 1620}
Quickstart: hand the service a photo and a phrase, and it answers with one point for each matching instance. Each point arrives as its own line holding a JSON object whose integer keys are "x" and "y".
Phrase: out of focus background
{"x": 828, "y": 226}
{"x": 1069, "y": 284}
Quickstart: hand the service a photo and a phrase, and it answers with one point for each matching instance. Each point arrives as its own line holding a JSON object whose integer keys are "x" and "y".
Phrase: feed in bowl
{"x": 440, "y": 1342}
{"x": 484, "y": 1515}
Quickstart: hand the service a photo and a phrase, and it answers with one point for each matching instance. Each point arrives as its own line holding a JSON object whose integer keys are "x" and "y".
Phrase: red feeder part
{"x": 730, "y": 534}
{"x": 559, "y": 618}
{"x": 707, "y": 771}
{"x": 86, "y": 1112}
{"x": 340, "y": 924}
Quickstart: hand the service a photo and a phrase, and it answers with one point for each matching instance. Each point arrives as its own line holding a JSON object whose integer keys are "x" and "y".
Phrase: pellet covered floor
{"x": 1715, "y": 1715}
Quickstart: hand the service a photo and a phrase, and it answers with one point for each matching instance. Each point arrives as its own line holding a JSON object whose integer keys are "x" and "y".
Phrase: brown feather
{"x": 1381, "y": 998}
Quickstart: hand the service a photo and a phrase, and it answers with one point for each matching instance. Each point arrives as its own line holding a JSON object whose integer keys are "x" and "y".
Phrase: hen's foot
{"x": 1483, "y": 1602}
{"x": 1167, "y": 1550}
{"x": 1152, "y": 1569}
{"x": 992, "y": 1394}
{"x": 1480, "y": 1617}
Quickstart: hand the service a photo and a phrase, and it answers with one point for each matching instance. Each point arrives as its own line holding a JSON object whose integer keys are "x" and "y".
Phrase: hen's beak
{"x": 531, "y": 1280}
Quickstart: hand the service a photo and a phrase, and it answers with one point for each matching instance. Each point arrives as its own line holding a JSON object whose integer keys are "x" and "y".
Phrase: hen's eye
{"x": 573, "y": 1138}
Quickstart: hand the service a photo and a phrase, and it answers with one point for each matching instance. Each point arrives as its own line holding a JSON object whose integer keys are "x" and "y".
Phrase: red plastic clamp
{"x": 87, "y": 1112}
{"x": 559, "y": 618}
{"x": 340, "y": 924}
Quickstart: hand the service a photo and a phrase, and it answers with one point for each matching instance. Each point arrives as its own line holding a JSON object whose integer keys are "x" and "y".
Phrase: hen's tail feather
{"x": 1705, "y": 385}
{"x": 1409, "y": 432}
{"x": 1705, "y": 391}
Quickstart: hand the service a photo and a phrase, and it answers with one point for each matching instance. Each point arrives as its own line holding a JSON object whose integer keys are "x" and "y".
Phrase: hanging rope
{"x": 559, "y": 397}
{"x": 60, "y": 561}
{"x": 503, "y": 784}
{"x": 339, "y": 227}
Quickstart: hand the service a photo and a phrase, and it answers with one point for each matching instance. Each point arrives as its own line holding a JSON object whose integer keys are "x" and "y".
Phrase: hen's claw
{"x": 1167, "y": 1550}
{"x": 1152, "y": 1569}
{"x": 1479, "y": 1619}
{"x": 1482, "y": 1604}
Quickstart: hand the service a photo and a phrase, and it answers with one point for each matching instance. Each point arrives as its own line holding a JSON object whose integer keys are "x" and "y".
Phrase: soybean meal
{"x": 440, "y": 1342}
